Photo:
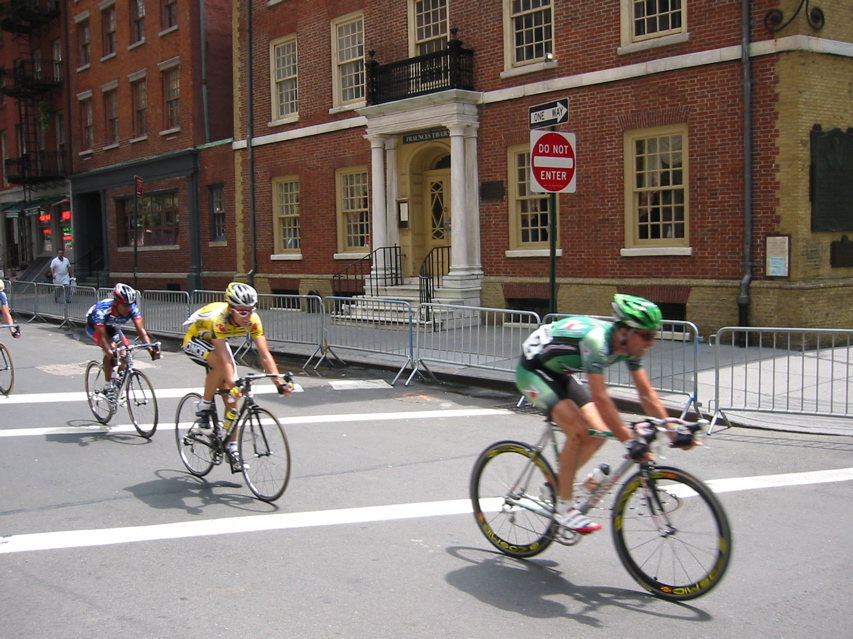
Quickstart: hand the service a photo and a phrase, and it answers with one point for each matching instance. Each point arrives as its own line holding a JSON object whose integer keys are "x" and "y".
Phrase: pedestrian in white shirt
{"x": 60, "y": 271}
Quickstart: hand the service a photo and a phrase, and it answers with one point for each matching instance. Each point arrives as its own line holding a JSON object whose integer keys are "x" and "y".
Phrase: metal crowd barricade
{"x": 672, "y": 364}
{"x": 382, "y": 328}
{"x": 293, "y": 320}
{"x": 165, "y": 311}
{"x": 83, "y": 298}
{"x": 783, "y": 370}
{"x": 471, "y": 337}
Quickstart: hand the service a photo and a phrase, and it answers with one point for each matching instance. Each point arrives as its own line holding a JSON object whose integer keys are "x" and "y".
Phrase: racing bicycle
{"x": 131, "y": 388}
{"x": 7, "y": 366}
{"x": 261, "y": 441}
{"x": 670, "y": 530}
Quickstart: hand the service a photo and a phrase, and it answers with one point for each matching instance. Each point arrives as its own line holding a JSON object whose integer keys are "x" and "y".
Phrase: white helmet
{"x": 238, "y": 294}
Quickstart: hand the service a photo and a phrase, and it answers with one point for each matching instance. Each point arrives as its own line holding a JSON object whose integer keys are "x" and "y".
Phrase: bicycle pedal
{"x": 567, "y": 537}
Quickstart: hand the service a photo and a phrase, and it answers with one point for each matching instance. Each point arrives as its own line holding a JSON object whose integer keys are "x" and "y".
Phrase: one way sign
{"x": 549, "y": 114}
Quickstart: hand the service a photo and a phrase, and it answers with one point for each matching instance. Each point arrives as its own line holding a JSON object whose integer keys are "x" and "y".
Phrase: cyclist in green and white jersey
{"x": 551, "y": 356}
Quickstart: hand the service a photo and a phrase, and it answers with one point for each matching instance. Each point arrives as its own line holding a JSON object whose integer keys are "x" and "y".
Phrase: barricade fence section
{"x": 382, "y": 328}
{"x": 471, "y": 337}
{"x": 165, "y": 312}
{"x": 672, "y": 364}
{"x": 783, "y": 370}
{"x": 296, "y": 320}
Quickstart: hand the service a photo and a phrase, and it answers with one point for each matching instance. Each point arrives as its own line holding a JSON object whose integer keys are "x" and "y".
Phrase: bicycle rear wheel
{"x": 196, "y": 450}
{"x": 265, "y": 454}
{"x": 513, "y": 494}
{"x": 102, "y": 408}
{"x": 7, "y": 371}
{"x": 672, "y": 536}
{"x": 142, "y": 404}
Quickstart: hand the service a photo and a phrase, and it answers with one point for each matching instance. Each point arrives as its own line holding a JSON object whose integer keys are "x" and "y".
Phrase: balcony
{"x": 450, "y": 68}
{"x": 25, "y": 16}
{"x": 31, "y": 78}
{"x": 36, "y": 168}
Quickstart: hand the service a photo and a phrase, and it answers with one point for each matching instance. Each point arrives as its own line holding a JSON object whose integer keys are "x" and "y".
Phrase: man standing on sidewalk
{"x": 60, "y": 271}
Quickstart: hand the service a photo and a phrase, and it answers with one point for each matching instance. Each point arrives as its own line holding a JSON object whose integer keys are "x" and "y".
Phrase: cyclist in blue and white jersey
{"x": 4, "y": 310}
{"x": 104, "y": 318}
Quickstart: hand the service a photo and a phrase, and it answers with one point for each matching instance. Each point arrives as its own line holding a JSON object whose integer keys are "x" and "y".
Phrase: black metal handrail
{"x": 432, "y": 271}
{"x": 450, "y": 68}
{"x": 350, "y": 280}
{"x": 28, "y": 78}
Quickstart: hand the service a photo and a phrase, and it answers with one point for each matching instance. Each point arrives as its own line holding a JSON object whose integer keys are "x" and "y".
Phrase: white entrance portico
{"x": 409, "y": 173}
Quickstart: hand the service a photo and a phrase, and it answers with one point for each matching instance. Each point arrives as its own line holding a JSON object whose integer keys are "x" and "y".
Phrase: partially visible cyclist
{"x": 553, "y": 353}
{"x": 205, "y": 342}
{"x": 5, "y": 313}
{"x": 103, "y": 320}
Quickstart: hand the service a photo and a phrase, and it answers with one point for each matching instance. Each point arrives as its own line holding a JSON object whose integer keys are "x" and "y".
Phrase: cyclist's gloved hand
{"x": 16, "y": 333}
{"x": 637, "y": 450}
{"x": 154, "y": 352}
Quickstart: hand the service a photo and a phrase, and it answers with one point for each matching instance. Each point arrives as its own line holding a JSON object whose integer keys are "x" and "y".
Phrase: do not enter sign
{"x": 552, "y": 162}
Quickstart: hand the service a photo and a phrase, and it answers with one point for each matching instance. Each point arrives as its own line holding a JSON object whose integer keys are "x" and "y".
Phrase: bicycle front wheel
{"x": 102, "y": 408}
{"x": 513, "y": 492}
{"x": 265, "y": 454}
{"x": 142, "y": 404}
{"x": 7, "y": 371}
{"x": 196, "y": 450}
{"x": 672, "y": 535}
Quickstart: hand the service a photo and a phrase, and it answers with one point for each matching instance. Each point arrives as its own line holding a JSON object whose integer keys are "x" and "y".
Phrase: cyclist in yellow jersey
{"x": 205, "y": 343}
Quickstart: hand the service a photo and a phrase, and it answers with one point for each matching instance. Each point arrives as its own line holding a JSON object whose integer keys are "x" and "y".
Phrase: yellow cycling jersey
{"x": 213, "y": 322}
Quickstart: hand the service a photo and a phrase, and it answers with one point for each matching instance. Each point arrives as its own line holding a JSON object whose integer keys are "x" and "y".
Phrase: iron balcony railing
{"x": 40, "y": 166}
{"x": 450, "y": 68}
{"x": 29, "y": 78}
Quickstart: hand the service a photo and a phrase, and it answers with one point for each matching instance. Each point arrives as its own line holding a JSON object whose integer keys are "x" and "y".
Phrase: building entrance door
{"x": 437, "y": 205}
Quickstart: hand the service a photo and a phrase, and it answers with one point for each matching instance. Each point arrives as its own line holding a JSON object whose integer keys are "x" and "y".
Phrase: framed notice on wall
{"x": 777, "y": 255}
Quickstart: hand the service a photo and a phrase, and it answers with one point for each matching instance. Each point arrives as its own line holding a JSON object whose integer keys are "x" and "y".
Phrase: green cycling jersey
{"x": 575, "y": 345}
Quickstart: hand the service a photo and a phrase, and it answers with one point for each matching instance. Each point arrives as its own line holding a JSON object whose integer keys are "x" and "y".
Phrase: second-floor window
{"x": 137, "y": 21}
{"x": 111, "y": 116}
{"x": 108, "y": 19}
{"x": 139, "y": 95}
{"x": 83, "y": 43}
{"x": 348, "y": 59}
{"x": 285, "y": 96}
{"x": 172, "y": 97}
{"x": 170, "y": 14}
{"x": 530, "y": 31}
{"x": 430, "y": 23}
{"x": 87, "y": 124}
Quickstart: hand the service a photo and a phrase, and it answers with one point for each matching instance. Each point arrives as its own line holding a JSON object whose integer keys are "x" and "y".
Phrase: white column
{"x": 472, "y": 203}
{"x": 393, "y": 233}
{"x": 458, "y": 214}
{"x": 378, "y": 220}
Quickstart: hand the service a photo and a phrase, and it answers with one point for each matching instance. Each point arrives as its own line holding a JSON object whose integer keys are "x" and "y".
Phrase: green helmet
{"x": 636, "y": 312}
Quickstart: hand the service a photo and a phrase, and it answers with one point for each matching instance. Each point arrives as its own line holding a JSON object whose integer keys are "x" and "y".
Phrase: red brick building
{"x": 150, "y": 98}
{"x": 690, "y": 190}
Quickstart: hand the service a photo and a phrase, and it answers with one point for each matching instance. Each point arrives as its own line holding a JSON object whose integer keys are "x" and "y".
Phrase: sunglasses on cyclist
{"x": 646, "y": 336}
{"x": 243, "y": 312}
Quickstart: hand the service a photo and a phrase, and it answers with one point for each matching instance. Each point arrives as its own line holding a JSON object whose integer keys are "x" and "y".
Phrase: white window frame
{"x": 287, "y": 214}
{"x": 640, "y": 198}
{"x": 344, "y": 210}
{"x": 535, "y": 63}
{"x": 420, "y": 45}
{"x": 284, "y": 76}
{"x": 658, "y": 38}
{"x": 518, "y": 192}
{"x": 338, "y": 90}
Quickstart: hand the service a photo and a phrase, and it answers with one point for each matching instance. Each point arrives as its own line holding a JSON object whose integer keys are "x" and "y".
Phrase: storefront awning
{"x": 29, "y": 207}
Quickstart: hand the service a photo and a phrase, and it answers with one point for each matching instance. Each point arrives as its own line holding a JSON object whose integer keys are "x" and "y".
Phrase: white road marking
{"x": 369, "y": 514}
{"x": 80, "y": 396}
{"x": 169, "y": 424}
{"x": 358, "y": 384}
